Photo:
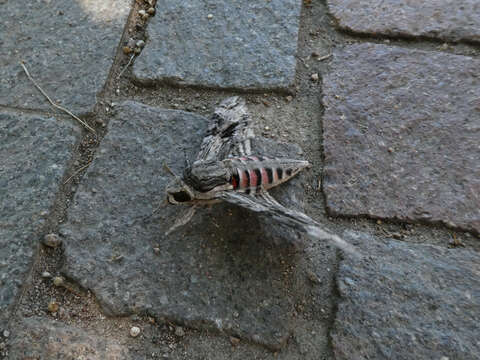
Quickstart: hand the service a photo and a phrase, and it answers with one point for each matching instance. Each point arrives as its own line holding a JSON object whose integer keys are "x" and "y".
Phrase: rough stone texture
{"x": 407, "y": 301}
{"x": 221, "y": 271}
{"x": 401, "y": 131}
{"x": 34, "y": 152}
{"x": 68, "y": 47}
{"x": 39, "y": 338}
{"x": 441, "y": 19}
{"x": 253, "y": 49}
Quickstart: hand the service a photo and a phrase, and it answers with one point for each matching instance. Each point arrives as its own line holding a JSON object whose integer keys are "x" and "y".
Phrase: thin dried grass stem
{"x": 53, "y": 104}
{"x": 126, "y": 66}
{"x": 77, "y": 171}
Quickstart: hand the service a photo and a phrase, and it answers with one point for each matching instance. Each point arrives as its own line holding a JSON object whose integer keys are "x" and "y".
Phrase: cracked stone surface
{"x": 401, "y": 131}
{"x": 407, "y": 301}
{"x": 68, "y": 47}
{"x": 40, "y": 338}
{"x": 221, "y": 271}
{"x": 34, "y": 153}
{"x": 201, "y": 43}
{"x": 441, "y": 19}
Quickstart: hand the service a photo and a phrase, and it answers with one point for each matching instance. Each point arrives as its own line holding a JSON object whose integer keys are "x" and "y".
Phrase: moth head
{"x": 177, "y": 191}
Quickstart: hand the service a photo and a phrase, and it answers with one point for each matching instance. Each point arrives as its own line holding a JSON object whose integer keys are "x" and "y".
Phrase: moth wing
{"x": 266, "y": 205}
{"x": 229, "y": 132}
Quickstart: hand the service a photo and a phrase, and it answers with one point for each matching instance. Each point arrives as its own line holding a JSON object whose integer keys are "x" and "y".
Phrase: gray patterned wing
{"x": 229, "y": 132}
{"x": 266, "y": 205}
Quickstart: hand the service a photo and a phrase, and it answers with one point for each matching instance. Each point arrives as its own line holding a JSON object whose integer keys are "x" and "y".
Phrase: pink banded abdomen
{"x": 252, "y": 173}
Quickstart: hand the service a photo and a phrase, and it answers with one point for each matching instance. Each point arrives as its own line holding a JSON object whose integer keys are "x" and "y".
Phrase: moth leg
{"x": 183, "y": 220}
{"x": 162, "y": 205}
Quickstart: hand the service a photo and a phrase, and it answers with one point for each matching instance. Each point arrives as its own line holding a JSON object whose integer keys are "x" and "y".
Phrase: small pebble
{"x": 397, "y": 236}
{"x": 289, "y": 98}
{"x": 151, "y": 11}
{"x": 134, "y": 331}
{"x": 53, "y": 306}
{"x": 46, "y": 275}
{"x": 266, "y": 128}
{"x": 179, "y": 331}
{"x": 127, "y": 50}
{"x": 100, "y": 121}
{"x": 58, "y": 281}
{"x": 137, "y": 50}
{"x": 6, "y": 333}
{"x": 151, "y": 2}
{"x": 52, "y": 240}
{"x": 131, "y": 43}
{"x": 314, "y": 77}
{"x": 143, "y": 14}
{"x": 234, "y": 341}
{"x": 140, "y": 44}
{"x": 210, "y": 16}
{"x": 390, "y": 150}
{"x": 313, "y": 277}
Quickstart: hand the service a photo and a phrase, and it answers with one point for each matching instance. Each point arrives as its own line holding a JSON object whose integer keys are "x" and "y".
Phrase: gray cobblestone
{"x": 407, "y": 301}
{"x": 401, "y": 135}
{"x": 222, "y": 271}
{"x": 241, "y": 44}
{"x": 34, "y": 153}
{"x": 68, "y": 47}
{"x": 442, "y": 19}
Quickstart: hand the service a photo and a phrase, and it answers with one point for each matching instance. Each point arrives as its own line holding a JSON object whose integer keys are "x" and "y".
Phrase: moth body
{"x": 226, "y": 170}
{"x": 250, "y": 174}
{"x": 204, "y": 180}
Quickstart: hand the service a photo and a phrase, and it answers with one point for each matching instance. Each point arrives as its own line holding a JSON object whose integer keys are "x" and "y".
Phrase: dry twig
{"x": 126, "y": 66}
{"x": 77, "y": 171}
{"x": 324, "y": 57}
{"x": 53, "y": 104}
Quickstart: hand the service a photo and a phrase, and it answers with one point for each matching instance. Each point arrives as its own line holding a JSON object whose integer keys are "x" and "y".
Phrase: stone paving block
{"x": 39, "y": 338}
{"x": 407, "y": 301}
{"x": 69, "y": 47}
{"x": 401, "y": 131}
{"x": 233, "y": 44}
{"x": 34, "y": 153}
{"x": 441, "y": 19}
{"x": 221, "y": 271}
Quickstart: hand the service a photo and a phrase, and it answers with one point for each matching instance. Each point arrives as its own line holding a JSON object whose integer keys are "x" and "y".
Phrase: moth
{"x": 226, "y": 169}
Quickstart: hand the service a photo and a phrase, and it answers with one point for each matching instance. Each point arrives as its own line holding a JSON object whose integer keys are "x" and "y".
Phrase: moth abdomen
{"x": 252, "y": 173}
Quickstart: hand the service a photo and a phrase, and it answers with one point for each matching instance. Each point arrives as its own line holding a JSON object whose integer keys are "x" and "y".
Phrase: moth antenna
{"x": 187, "y": 162}
{"x": 170, "y": 171}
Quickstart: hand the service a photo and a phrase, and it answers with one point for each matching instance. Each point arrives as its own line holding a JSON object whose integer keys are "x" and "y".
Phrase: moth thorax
{"x": 206, "y": 175}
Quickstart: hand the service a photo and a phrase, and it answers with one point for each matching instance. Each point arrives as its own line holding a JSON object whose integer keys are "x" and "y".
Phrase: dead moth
{"x": 226, "y": 170}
